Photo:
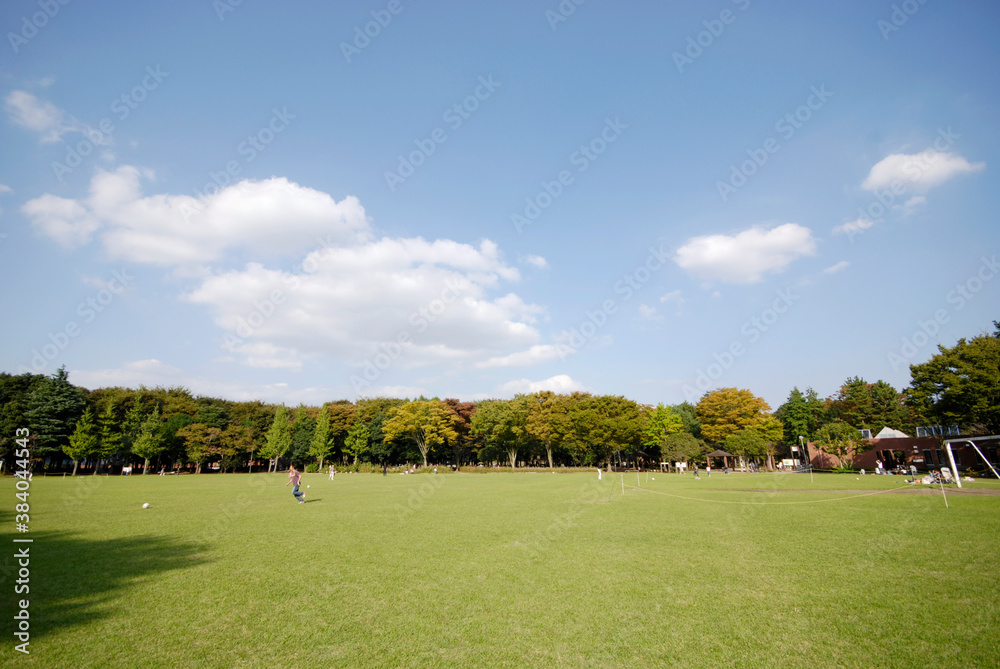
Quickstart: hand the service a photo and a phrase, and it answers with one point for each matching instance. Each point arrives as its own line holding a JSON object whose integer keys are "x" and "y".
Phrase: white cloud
{"x": 673, "y": 296}
{"x": 912, "y": 204}
{"x": 154, "y": 373}
{"x": 270, "y": 218}
{"x": 401, "y": 392}
{"x": 43, "y": 117}
{"x": 6, "y": 189}
{"x": 648, "y": 313}
{"x": 352, "y": 296}
{"x": 265, "y": 355}
{"x": 919, "y": 171}
{"x": 418, "y": 302}
{"x": 561, "y": 383}
{"x": 852, "y": 227}
{"x": 532, "y": 356}
{"x": 746, "y": 256}
{"x": 537, "y": 261}
{"x": 833, "y": 269}
{"x": 66, "y": 222}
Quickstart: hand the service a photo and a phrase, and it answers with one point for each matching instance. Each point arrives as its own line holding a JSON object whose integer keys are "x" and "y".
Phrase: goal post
{"x": 951, "y": 458}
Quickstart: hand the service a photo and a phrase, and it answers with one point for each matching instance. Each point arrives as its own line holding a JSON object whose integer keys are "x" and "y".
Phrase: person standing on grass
{"x": 295, "y": 477}
{"x": 333, "y": 472}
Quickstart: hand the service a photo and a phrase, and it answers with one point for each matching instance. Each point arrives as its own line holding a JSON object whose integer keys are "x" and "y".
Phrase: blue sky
{"x": 262, "y": 201}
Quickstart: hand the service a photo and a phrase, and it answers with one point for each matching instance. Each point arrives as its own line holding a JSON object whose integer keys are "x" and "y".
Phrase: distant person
{"x": 696, "y": 474}
{"x": 295, "y": 477}
{"x": 708, "y": 468}
{"x": 333, "y": 472}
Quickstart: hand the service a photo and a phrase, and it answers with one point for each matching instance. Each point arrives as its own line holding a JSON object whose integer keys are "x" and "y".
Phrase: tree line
{"x": 169, "y": 427}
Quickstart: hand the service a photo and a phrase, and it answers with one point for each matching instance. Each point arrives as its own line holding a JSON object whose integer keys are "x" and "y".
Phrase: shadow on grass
{"x": 74, "y": 581}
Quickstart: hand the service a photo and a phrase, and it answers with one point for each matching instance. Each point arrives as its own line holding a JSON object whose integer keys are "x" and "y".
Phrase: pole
{"x": 941, "y": 481}
{"x": 954, "y": 469}
{"x": 984, "y": 458}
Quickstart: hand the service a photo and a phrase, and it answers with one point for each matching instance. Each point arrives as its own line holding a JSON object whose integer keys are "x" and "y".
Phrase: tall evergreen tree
{"x": 320, "y": 446}
{"x": 53, "y": 411}
{"x": 85, "y": 442}
{"x": 111, "y": 438}
{"x": 279, "y": 438}
{"x": 149, "y": 443}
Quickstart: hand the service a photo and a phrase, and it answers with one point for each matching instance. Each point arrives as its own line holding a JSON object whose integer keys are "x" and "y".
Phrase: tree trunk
{"x": 548, "y": 452}
{"x": 75, "y": 465}
{"x": 145, "y": 467}
{"x": 97, "y": 467}
{"x": 423, "y": 451}
{"x": 197, "y": 470}
{"x": 513, "y": 459}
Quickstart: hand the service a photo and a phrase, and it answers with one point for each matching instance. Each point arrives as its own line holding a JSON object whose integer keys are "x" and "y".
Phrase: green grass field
{"x": 492, "y": 570}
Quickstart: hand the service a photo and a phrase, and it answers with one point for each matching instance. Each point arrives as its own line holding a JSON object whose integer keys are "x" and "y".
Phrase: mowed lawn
{"x": 500, "y": 569}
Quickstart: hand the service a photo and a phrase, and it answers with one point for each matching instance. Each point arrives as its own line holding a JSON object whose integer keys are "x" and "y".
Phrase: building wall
{"x": 924, "y": 452}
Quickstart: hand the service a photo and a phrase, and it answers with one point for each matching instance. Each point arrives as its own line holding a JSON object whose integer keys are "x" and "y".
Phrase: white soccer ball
{"x": 308, "y": 486}
{"x": 146, "y": 505}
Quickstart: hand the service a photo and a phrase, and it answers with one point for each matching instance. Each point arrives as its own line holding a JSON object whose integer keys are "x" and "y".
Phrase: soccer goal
{"x": 951, "y": 456}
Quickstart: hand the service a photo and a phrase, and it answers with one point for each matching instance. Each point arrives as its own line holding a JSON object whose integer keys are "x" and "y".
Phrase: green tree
{"x": 689, "y": 416}
{"x": 746, "y": 443}
{"x": 201, "y": 442}
{"x": 426, "y": 423}
{"x": 132, "y": 425}
{"x": 357, "y": 440}
{"x": 237, "y": 444}
{"x": 682, "y": 447}
{"x": 842, "y": 440}
{"x": 548, "y": 421}
{"x": 961, "y": 385}
{"x": 321, "y": 444}
{"x": 303, "y": 428}
{"x": 53, "y": 411}
{"x": 800, "y": 415}
{"x": 111, "y": 439}
{"x": 85, "y": 441}
{"x": 503, "y": 427}
{"x": 15, "y": 397}
{"x": 279, "y": 438}
{"x": 661, "y": 422}
{"x": 149, "y": 443}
